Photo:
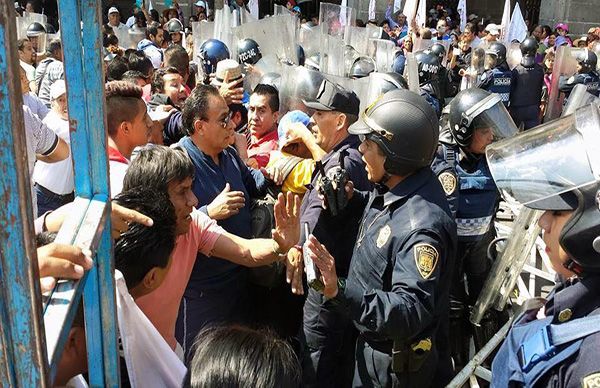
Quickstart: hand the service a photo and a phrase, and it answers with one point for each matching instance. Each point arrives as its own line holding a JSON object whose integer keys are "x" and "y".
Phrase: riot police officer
{"x": 249, "y": 51}
{"x": 429, "y": 69}
{"x": 526, "y": 92}
{"x": 212, "y": 52}
{"x": 555, "y": 344}
{"x": 475, "y": 118}
{"x": 586, "y": 74}
{"x": 397, "y": 287}
{"x": 498, "y": 76}
{"x": 175, "y": 30}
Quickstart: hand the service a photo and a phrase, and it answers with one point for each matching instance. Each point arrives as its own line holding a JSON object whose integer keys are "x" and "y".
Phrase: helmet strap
{"x": 573, "y": 267}
{"x": 386, "y": 177}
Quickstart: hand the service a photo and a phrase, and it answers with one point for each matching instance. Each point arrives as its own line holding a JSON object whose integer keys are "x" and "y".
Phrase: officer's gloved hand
{"x": 326, "y": 264}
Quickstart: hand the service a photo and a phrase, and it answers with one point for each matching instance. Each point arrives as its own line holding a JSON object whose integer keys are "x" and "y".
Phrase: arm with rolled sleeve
{"x": 409, "y": 307}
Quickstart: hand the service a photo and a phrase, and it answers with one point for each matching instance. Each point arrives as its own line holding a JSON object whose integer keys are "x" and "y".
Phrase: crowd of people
{"x": 314, "y": 243}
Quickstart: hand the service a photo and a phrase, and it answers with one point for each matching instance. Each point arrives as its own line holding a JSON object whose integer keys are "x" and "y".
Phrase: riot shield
{"x": 297, "y": 84}
{"x": 275, "y": 36}
{"x": 411, "y": 73}
{"x": 382, "y": 51}
{"x": 579, "y": 97}
{"x": 334, "y": 23}
{"x": 280, "y": 10}
{"x": 358, "y": 38}
{"x": 223, "y": 30}
{"x": 350, "y": 56}
{"x": 513, "y": 55}
{"x": 565, "y": 66}
{"x": 24, "y": 21}
{"x": 377, "y": 84}
{"x": 268, "y": 64}
{"x": 474, "y": 72}
{"x": 309, "y": 38}
{"x": 129, "y": 38}
{"x": 201, "y": 32}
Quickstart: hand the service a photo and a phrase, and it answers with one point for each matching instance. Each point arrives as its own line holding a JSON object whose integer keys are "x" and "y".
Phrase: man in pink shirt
{"x": 170, "y": 169}
{"x": 263, "y": 114}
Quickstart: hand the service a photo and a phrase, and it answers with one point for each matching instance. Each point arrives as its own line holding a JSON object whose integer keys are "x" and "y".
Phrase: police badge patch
{"x": 426, "y": 258}
{"x": 384, "y": 235}
{"x": 591, "y": 381}
{"x": 448, "y": 181}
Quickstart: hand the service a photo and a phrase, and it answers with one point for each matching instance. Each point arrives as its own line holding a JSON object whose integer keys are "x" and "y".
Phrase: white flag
{"x": 462, "y": 12}
{"x": 422, "y": 13}
{"x": 397, "y": 5}
{"x": 150, "y": 5}
{"x": 505, "y": 19}
{"x": 410, "y": 10}
{"x": 253, "y": 6}
{"x": 518, "y": 27}
{"x": 372, "y": 10}
{"x": 344, "y": 3}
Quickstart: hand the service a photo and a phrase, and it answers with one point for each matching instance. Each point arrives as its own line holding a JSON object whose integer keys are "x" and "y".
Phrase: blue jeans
{"x": 47, "y": 200}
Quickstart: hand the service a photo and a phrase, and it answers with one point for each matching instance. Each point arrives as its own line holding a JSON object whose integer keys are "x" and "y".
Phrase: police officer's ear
{"x": 341, "y": 121}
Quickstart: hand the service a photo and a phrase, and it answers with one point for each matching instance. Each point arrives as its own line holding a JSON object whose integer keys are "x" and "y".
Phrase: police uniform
{"x": 590, "y": 80}
{"x": 499, "y": 81}
{"x": 443, "y": 167}
{"x": 526, "y": 95}
{"x": 574, "y": 364}
{"x": 398, "y": 284}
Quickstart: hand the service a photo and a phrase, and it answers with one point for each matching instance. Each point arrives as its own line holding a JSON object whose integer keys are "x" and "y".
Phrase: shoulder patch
{"x": 384, "y": 235}
{"x": 571, "y": 80}
{"x": 448, "y": 181}
{"x": 591, "y": 381}
{"x": 426, "y": 259}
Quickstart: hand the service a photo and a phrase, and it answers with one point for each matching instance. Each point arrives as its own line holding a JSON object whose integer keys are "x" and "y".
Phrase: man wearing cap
{"x": 328, "y": 335}
{"x": 398, "y": 285}
{"x": 114, "y": 19}
{"x": 53, "y": 182}
{"x": 492, "y": 33}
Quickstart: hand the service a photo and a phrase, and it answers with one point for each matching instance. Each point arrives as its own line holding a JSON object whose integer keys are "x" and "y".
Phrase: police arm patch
{"x": 591, "y": 381}
{"x": 448, "y": 181}
{"x": 426, "y": 259}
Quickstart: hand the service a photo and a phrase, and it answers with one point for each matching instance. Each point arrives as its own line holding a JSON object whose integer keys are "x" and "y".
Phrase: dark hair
{"x": 122, "y": 103}
{"x": 158, "y": 83}
{"x": 155, "y": 166}
{"x": 21, "y": 43}
{"x": 127, "y": 53}
{"x": 196, "y": 106}
{"x": 54, "y": 46}
{"x": 116, "y": 68}
{"x": 243, "y": 111}
{"x": 110, "y": 40}
{"x": 44, "y": 238}
{"x": 154, "y": 15}
{"x": 132, "y": 76}
{"x": 547, "y": 29}
{"x": 271, "y": 92}
{"x": 141, "y": 247}
{"x": 140, "y": 62}
{"x": 177, "y": 57}
{"x": 236, "y": 356}
{"x": 152, "y": 29}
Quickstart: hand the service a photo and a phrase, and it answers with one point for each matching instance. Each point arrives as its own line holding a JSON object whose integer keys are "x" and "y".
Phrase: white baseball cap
{"x": 493, "y": 29}
{"x": 57, "y": 89}
{"x": 113, "y": 10}
{"x": 200, "y": 3}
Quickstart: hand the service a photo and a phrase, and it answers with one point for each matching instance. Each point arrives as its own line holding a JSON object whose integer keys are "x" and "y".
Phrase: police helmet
{"x": 476, "y": 108}
{"x": 428, "y": 66}
{"x": 405, "y": 128}
{"x": 248, "y": 51}
{"x": 529, "y": 46}
{"x": 301, "y": 55}
{"x": 212, "y": 52}
{"x": 50, "y": 28}
{"x": 362, "y": 67}
{"x": 439, "y": 50}
{"x": 587, "y": 59}
{"x": 173, "y": 26}
{"x": 35, "y": 29}
{"x": 499, "y": 50}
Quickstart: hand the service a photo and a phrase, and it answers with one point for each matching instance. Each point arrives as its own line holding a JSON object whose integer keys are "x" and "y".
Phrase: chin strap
{"x": 573, "y": 267}
{"x": 386, "y": 177}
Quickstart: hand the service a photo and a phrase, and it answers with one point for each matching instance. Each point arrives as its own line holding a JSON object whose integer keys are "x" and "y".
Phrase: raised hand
{"x": 287, "y": 221}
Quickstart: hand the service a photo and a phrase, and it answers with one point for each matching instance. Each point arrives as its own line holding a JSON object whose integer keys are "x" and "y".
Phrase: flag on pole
{"x": 462, "y": 12}
{"x": 372, "y": 10}
{"x": 518, "y": 27}
{"x": 505, "y": 19}
{"x": 410, "y": 10}
{"x": 253, "y": 7}
{"x": 150, "y": 5}
{"x": 422, "y": 13}
{"x": 344, "y": 3}
{"x": 397, "y": 5}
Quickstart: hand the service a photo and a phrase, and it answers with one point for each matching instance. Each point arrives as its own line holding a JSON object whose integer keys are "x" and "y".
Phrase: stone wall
{"x": 580, "y": 15}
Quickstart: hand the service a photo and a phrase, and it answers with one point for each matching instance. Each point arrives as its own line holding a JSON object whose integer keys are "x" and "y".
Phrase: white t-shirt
{"x": 120, "y": 27}
{"x": 56, "y": 177}
{"x": 29, "y": 70}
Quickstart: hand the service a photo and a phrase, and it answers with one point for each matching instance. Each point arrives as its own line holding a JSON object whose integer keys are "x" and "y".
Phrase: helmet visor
{"x": 538, "y": 167}
{"x": 490, "y": 113}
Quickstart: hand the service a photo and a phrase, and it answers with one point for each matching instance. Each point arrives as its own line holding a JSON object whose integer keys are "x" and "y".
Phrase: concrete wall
{"x": 579, "y": 14}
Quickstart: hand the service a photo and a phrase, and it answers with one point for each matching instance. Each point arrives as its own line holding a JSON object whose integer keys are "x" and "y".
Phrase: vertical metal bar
{"x": 22, "y": 351}
{"x": 99, "y": 295}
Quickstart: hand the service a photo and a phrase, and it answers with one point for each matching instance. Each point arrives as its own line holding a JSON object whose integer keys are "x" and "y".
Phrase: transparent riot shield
{"x": 24, "y": 21}
{"x": 125, "y": 39}
{"x": 280, "y": 10}
{"x": 350, "y": 56}
{"x": 268, "y": 64}
{"x": 297, "y": 84}
{"x": 513, "y": 55}
{"x": 579, "y": 97}
{"x": 358, "y": 38}
{"x": 309, "y": 38}
{"x": 223, "y": 30}
{"x": 275, "y": 35}
{"x": 378, "y": 84}
{"x": 246, "y": 17}
{"x": 382, "y": 51}
{"x": 565, "y": 66}
{"x": 473, "y": 74}
{"x": 334, "y": 23}
{"x": 201, "y": 32}
{"x": 411, "y": 73}
{"x": 136, "y": 35}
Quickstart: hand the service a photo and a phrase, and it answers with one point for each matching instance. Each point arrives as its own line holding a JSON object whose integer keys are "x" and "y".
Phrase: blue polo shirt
{"x": 209, "y": 181}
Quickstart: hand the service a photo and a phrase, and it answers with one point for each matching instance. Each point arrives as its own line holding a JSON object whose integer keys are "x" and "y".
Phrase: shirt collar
{"x": 581, "y": 296}
{"x": 408, "y": 186}
{"x": 116, "y": 156}
{"x": 351, "y": 141}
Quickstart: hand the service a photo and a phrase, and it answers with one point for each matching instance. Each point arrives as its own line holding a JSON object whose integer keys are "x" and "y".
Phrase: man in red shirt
{"x": 263, "y": 114}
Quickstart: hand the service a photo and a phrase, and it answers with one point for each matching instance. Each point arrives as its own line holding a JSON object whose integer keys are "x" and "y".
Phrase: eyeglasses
{"x": 222, "y": 123}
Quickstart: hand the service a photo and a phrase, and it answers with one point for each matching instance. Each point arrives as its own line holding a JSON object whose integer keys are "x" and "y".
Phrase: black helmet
{"x": 35, "y": 29}
{"x": 381, "y": 83}
{"x": 587, "y": 59}
{"x": 212, "y": 52}
{"x": 362, "y": 67}
{"x": 477, "y": 108}
{"x": 529, "y": 49}
{"x": 301, "y": 55}
{"x": 248, "y": 51}
{"x": 429, "y": 66}
{"x": 404, "y": 126}
{"x": 173, "y": 26}
{"x": 439, "y": 50}
{"x": 50, "y": 28}
{"x": 499, "y": 50}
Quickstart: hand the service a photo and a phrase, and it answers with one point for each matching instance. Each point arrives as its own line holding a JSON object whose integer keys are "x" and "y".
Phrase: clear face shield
{"x": 490, "y": 62}
{"x": 490, "y": 113}
{"x": 537, "y": 166}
